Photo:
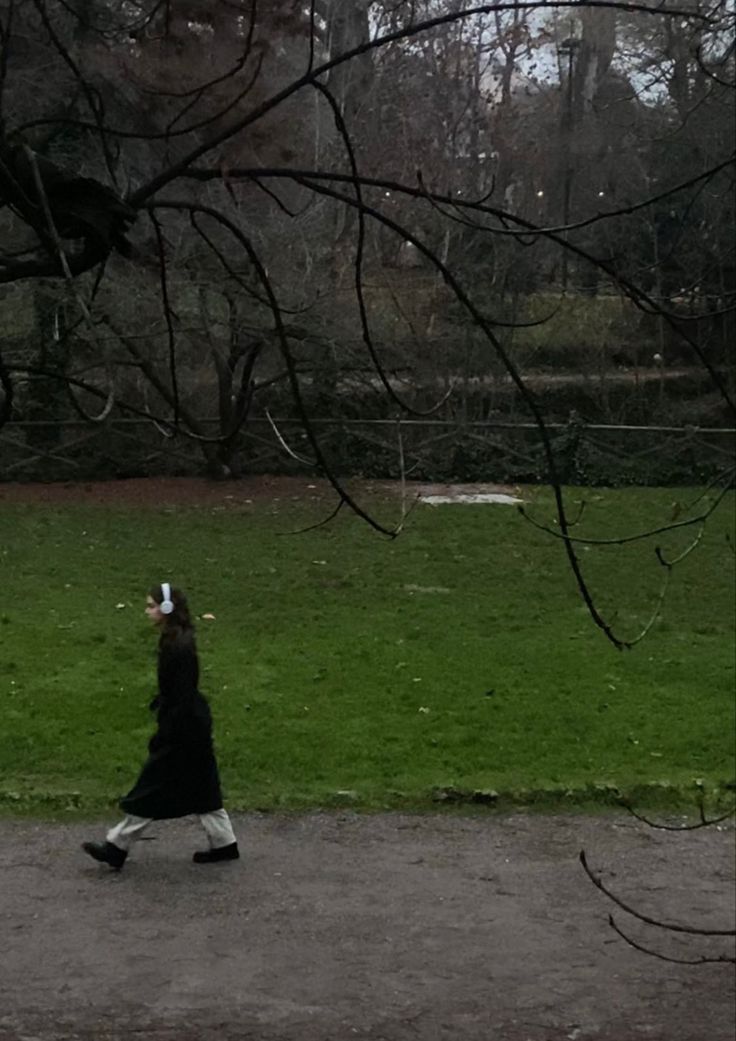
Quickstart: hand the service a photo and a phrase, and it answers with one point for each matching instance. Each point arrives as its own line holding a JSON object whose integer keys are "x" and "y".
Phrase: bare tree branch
{"x": 637, "y": 295}
{"x": 624, "y": 539}
{"x": 282, "y": 441}
{"x": 704, "y": 822}
{"x": 173, "y": 172}
{"x": 283, "y": 342}
{"x": 702, "y": 960}
{"x": 671, "y": 926}
{"x": 358, "y": 266}
{"x": 168, "y": 316}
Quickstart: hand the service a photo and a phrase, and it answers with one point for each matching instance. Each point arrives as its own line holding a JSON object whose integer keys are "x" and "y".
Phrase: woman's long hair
{"x": 179, "y": 622}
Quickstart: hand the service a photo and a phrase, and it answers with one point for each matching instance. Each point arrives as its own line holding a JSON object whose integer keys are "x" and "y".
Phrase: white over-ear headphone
{"x": 167, "y": 604}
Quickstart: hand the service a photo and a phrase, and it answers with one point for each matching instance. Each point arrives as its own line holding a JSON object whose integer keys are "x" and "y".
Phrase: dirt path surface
{"x": 386, "y": 927}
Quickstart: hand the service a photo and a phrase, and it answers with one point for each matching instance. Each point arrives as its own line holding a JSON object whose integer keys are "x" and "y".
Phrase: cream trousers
{"x": 217, "y": 827}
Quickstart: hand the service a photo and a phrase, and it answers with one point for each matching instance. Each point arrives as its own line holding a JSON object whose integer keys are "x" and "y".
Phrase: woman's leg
{"x": 115, "y": 849}
{"x": 127, "y": 831}
{"x": 218, "y": 828}
{"x": 221, "y": 837}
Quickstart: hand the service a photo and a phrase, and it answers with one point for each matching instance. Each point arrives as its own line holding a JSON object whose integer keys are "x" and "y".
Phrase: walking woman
{"x": 180, "y": 776}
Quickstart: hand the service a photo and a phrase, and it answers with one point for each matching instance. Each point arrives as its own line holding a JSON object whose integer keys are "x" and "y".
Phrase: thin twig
{"x": 360, "y": 245}
{"x": 702, "y": 823}
{"x": 229, "y": 268}
{"x": 312, "y": 13}
{"x": 703, "y": 960}
{"x": 657, "y": 610}
{"x": 480, "y": 205}
{"x": 283, "y": 341}
{"x": 671, "y": 926}
{"x": 405, "y": 511}
{"x": 320, "y": 524}
{"x": 359, "y": 253}
{"x": 669, "y": 564}
{"x": 279, "y": 202}
{"x": 624, "y": 539}
{"x": 285, "y": 446}
{"x": 6, "y": 382}
{"x": 516, "y": 378}
{"x": 167, "y": 313}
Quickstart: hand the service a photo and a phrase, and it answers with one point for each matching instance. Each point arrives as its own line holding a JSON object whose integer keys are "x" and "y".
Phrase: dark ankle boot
{"x": 106, "y": 853}
{"x": 211, "y": 856}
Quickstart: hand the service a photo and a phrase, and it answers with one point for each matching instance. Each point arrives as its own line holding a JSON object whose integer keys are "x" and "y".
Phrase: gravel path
{"x": 381, "y": 927}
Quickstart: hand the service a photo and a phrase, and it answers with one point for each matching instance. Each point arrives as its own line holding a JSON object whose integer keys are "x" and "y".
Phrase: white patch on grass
{"x": 468, "y": 498}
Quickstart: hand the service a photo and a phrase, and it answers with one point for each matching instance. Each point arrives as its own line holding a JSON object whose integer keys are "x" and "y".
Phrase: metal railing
{"x": 435, "y": 449}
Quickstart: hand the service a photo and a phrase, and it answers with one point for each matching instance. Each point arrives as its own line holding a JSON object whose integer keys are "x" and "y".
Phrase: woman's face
{"x": 153, "y": 610}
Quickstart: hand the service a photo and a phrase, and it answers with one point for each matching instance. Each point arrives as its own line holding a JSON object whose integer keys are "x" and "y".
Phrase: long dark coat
{"x": 180, "y": 775}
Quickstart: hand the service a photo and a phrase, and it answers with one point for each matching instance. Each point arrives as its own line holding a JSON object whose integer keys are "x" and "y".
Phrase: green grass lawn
{"x": 344, "y": 668}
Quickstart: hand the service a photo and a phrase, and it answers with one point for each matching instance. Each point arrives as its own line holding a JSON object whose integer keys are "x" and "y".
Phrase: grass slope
{"x": 458, "y": 656}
